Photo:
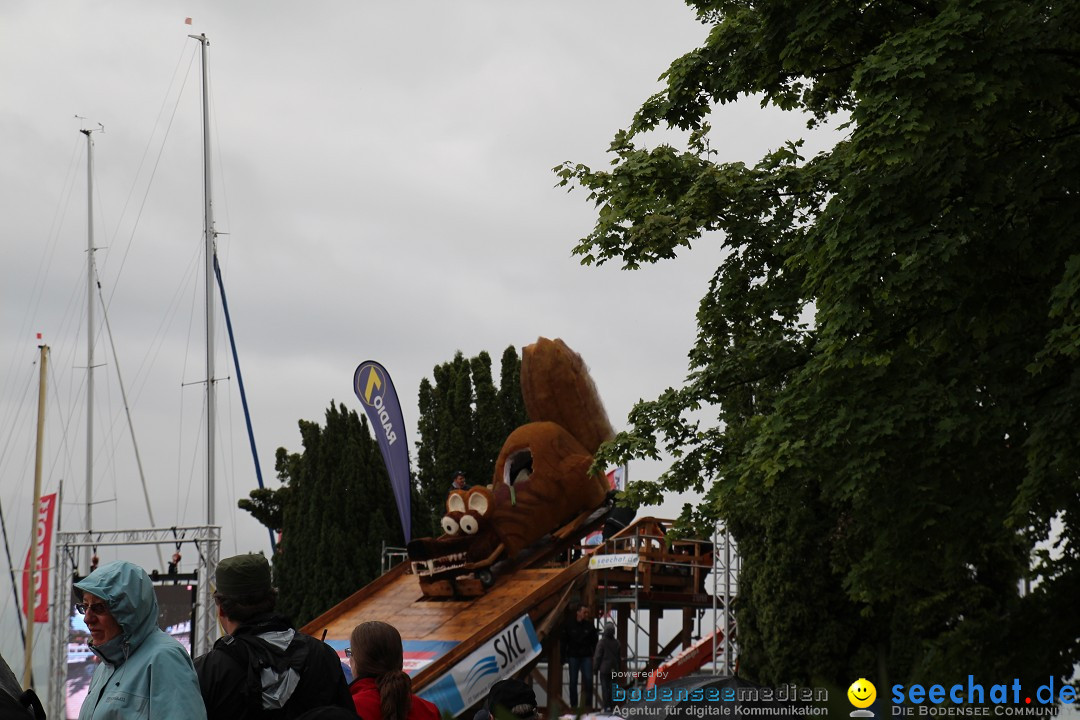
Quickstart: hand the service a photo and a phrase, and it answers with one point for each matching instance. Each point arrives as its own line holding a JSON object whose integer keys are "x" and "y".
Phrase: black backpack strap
{"x": 241, "y": 653}
{"x": 31, "y": 702}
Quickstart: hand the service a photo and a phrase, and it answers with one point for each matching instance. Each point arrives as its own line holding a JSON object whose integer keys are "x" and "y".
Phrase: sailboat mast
{"x": 31, "y": 595}
{"x": 89, "y": 341}
{"x": 209, "y": 233}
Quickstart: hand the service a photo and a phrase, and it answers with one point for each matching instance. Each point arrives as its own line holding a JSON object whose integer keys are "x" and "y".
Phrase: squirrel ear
{"x": 455, "y": 501}
{"x": 479, "y": 501}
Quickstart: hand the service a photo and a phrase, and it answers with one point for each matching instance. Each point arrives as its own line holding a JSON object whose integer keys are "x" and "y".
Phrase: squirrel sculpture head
{"x": 541, "y": 479}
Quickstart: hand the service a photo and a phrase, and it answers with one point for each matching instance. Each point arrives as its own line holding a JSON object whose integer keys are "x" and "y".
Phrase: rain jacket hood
{"x": 147, "y": 675}
{"x": 128, "y": 592}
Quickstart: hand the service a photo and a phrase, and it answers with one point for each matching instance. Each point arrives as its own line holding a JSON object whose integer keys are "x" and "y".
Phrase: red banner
{"x": 43, "y": 546}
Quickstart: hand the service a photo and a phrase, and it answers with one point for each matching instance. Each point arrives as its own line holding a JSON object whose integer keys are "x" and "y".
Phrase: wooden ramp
{"x": 459, "y": 647}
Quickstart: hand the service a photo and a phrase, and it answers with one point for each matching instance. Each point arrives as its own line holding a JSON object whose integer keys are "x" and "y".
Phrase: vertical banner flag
{"x": 43, "y": 547}
{"x": 375, "y": 391}
{"x": 617, "y": 478}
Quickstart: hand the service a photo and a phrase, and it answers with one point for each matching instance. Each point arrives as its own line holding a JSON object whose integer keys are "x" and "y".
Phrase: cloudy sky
{"x": 383, "y": 183}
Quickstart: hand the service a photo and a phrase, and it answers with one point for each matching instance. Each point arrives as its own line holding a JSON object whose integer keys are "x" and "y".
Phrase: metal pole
{"x": 715, "y": 591}
{"x": 89, "y": 337}
{"x": 727, "y": 601}
{"x": 58, "y": 620}
{"x": 637, "y": 601}
{"x": 209, "y": 236}
{"x": 31, "y": 598}
{"x": 201, "y": 643}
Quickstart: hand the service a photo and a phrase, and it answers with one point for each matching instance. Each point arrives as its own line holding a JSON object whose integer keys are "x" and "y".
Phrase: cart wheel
{"x": 486, "y": 578}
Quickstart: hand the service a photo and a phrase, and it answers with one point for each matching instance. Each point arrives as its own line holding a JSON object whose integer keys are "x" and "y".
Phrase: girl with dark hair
{"x": 382, "y": 690}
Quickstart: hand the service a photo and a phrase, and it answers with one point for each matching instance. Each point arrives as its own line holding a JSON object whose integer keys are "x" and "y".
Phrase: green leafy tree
{"x": 335, "y": 508}
{"x": 891, "y": 342}
{"x": 463, "y": 422}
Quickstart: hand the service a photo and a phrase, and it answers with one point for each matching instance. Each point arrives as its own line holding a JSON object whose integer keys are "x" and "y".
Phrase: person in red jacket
{"x": 382, "y": 690}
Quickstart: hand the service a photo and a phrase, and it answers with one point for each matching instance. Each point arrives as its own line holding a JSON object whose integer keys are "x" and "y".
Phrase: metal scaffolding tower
{"x": 206, "y": 538}
{"x": 725, "y": 586}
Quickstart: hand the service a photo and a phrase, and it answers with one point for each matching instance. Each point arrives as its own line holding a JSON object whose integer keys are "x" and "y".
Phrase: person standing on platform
{"x": 579, "y": 641}
{"x": 606, "y": 660}
{"x": 457, "y": 481}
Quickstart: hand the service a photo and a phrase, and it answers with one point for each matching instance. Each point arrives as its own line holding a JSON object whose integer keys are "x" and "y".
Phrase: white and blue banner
{"x": 469, "y": 681}
{"x": 614, "y": 560}
{"x": 376, "y": 392}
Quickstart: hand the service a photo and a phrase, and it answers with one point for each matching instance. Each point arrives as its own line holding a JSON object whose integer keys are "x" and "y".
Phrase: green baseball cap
{"x": 243, "y": 575}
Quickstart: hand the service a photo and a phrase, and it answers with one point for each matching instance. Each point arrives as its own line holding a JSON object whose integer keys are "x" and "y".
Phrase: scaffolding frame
{"x": 726, "y": 578}
{"x": 638, "y": 608}
{"x": 724, "y": 568}
{"x": 206, "y": 538}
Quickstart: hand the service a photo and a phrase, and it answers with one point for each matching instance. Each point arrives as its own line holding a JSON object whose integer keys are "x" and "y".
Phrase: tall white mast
{"x": 89, "y": 341}
{"x": 210, "y": 236}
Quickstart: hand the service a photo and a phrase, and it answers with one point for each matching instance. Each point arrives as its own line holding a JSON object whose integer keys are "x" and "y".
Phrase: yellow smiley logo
{"x": 862, "y": 693}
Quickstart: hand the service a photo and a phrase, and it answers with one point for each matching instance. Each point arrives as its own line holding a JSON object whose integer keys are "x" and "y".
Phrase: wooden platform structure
{"x": 533, "y": 593}
{"x": 662, "y": 576}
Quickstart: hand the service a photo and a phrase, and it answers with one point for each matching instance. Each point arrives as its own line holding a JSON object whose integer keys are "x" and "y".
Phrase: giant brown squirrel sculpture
{"x": 541, "y": 480}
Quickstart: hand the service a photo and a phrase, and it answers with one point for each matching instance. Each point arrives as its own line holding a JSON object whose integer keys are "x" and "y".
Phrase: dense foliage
{"x": 463, "y": 422}
{"x": 891, "y": 343}
{"x": 335, "y": 506}
{"x": 336, "y": 510}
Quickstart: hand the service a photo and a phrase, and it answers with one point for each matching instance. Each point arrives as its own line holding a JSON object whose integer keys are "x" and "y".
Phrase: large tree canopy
{"x": 891, "y": 343}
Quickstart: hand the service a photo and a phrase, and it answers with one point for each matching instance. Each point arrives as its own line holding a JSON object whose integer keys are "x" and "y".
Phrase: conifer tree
{"x": 511, "y": 405}
{"x": 336, "y": 510}
{"x": 463, "y": 422}
{"x": 488, "y": 428}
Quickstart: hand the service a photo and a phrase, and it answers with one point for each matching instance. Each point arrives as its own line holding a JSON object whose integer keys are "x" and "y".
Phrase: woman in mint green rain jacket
{"x": 143, "y": 673}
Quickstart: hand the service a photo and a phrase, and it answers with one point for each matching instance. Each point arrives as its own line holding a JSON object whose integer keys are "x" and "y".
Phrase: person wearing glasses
{"x": 263, "y": 667}
{"x": 144, "y": 673}
{"x": 382, "y": 690}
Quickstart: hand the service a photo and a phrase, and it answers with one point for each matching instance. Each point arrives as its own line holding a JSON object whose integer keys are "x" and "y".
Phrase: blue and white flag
{"x": 376, "y": 393}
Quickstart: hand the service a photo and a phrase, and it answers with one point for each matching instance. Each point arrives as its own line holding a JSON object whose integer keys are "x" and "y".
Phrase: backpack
{"x": 15, "y": 703}
{"x": 257, "y": 656}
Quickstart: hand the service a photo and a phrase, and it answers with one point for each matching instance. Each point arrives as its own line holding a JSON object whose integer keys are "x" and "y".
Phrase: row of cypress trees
{"x": 334, "y": 506}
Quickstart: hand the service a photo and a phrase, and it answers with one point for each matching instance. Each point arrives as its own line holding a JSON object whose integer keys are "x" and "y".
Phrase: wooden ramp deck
{"x": 469, "y": 625}
{"x": 456, "y": 648}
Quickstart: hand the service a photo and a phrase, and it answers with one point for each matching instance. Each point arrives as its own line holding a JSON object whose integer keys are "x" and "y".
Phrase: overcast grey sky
{"x": 383, "y": 176}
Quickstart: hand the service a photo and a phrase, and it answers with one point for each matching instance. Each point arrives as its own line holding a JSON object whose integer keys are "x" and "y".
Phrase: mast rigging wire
{"x": 157, "y": 163}
{"x": 243, "y": 393}
{"x": 131, "y": 426}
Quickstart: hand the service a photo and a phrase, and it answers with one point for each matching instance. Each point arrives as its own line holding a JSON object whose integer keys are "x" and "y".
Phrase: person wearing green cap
{"x": 262, "y": 667}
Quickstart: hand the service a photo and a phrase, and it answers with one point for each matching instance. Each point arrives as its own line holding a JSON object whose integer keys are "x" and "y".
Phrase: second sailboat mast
{"x": 89, "y": 342}
{"x": 210, "y": 237}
